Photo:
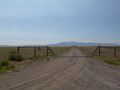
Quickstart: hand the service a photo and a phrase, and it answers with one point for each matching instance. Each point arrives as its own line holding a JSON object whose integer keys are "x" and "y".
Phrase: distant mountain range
{"x": 72, "y": 43}
{"x": 82, "y": 44}
{"x": 5, "y": 45}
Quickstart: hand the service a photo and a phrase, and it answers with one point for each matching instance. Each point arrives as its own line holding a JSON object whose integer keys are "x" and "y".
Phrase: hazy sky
{"x": 51, "y": 21}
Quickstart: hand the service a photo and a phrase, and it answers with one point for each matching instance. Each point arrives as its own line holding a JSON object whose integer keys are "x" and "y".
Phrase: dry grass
{"x": 28, "y": 55}
{"x": 107, "y": 54}
{"x": 59, "y": 50}
{"x": 4, "y": 51}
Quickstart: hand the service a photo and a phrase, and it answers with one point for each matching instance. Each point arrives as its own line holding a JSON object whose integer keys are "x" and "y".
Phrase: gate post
{"x": 99, "y": 50}
{"x": 34, "y": 52}
{"x": 114, "y": 51}
{"x": 18, "y": 49}
{"x": 47, "y": 51}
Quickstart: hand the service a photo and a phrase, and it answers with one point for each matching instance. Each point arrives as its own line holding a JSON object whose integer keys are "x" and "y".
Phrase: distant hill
{"x": 72, "y": 43}
{"x": 5, "y": 45}
{"x": 82, "y": 44}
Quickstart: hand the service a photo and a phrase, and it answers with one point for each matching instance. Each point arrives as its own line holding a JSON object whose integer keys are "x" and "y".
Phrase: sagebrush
{"x": 15, "y": 56}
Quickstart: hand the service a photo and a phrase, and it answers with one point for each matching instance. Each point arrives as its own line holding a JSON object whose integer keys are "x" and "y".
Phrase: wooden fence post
{"x": 47, "y": 51}
{"x": 34, "y": 52}
{"x": 114, "y": 51}
{"x": 18, "y": 49}
{"x": 99, "y": 50}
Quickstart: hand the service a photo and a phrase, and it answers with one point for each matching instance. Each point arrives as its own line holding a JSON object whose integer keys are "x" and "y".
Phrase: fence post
{"x": 18, "y": 49}
{"x": 34, "y": 52}
{"x": 47, "y": 51}
{"x": 99, "y": 50}
{"x": 114, "y": 51}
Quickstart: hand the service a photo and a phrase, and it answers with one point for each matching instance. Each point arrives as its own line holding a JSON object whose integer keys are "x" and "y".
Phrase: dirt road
{"x": 72, "y": 71}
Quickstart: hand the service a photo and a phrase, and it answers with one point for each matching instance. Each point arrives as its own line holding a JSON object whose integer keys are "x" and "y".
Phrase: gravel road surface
{"x": 71, "y": 71}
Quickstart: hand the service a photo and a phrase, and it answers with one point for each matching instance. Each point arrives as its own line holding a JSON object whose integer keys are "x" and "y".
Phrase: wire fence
{"x": 111, "y": 51}
{"x": 27, "y": 52}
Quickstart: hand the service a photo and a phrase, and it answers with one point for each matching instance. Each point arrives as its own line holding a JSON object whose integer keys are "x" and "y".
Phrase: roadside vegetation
{"x": 106, "y": 55}
{"x": 11, "y": 60}
{"x": 6, "y": 66}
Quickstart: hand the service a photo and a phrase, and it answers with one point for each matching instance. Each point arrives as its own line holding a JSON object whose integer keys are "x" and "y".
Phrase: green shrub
{"x": 10, "y": 66}
{"x": 4, "y": 62}
{"x": 113, "y": 62}
{"x": 13, "y": 55}
{"x": 18, "y": 57}
{"x": 0, "y": 67}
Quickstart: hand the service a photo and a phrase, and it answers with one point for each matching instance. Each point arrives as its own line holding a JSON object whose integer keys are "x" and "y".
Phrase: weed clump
{"x": 48, "y": 59}
{"x": 10, "y": 66}
{"x": 15, "y": 56}
{"x": 4, "y": 62}
{"x": 5, "y": 66}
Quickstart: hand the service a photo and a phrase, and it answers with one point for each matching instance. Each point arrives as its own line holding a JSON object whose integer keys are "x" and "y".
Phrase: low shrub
{"x": 10, "y": 66}
{"x": 15, "y": 56}
{"x": 0, "y": 67}
{"x": 18, "y": 57}
{"x": 111, "y": 61}
{"x": 4, "y": 62}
